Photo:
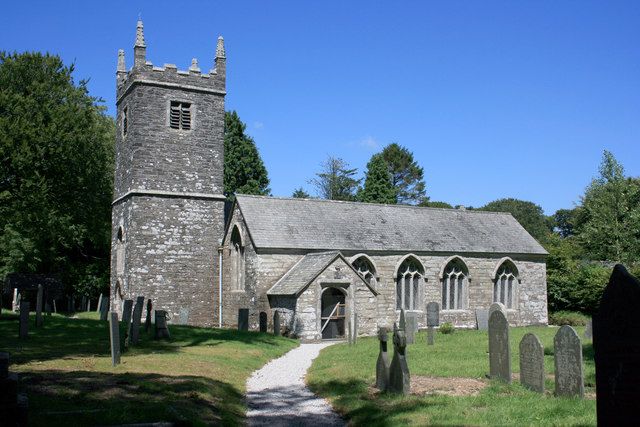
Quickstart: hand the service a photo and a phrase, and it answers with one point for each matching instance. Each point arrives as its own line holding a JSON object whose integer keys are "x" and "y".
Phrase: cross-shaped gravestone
{"x": 532, "y": 363}
{"x": 499, "y": 351}
{"x": 382, "y": 365}
{"x": 567, "y": 351}
{"x": 399, "y": 380}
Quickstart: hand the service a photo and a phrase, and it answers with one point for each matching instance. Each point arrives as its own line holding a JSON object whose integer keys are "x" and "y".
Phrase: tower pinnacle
{"x": 140, "y": 34}
{"x": 220, "y": 48}
{"x": 140, "y": 48}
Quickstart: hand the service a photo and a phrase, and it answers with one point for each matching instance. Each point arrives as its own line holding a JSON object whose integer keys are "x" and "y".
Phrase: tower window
{"x": 125, "y": 120}
{"x": 180, "y": 115}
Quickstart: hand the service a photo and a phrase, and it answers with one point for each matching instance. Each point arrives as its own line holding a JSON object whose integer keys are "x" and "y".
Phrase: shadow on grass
{"x": 61, "y": 398}
{"x": 62, "y": 337}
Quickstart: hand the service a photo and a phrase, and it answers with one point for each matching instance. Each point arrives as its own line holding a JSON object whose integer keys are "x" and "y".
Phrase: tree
{"x": 378, "y": 187}
{"x": 244, "y": 170}
{"x": 429, "y": 204}
{"x": 56, "y": 173}
{"x": 407, "y": 177}
{"x": 608, "y": 222}
{"x": 528, "y": 214}
{"x": 299, "y": 193}
{"x": 336, "y": 180}
{"x": 564, "y": 221}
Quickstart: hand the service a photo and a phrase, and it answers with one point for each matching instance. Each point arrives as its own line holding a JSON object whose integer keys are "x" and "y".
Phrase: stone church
{"x": 319, "y": 263}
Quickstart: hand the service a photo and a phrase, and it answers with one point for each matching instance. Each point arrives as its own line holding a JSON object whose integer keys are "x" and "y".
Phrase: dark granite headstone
{"x": 499, "y": 351}
{"x": 147, "y": 320}
{"x": 616, "y": 344}
{"x": 433, "y": 314}
{"x": 532, "y": 363}
{"x": 399, "y": 379}
{"x": 104, "y": 309}
{"x": 482, "y": 319}
{"x": 276, "y": 323}
{"x": 263, "y": 321}
{"x": 24, "y": 319}
{"x": 114, "y": 336}
{"x": 127, "y": 306}
{"x": 162, "y": 329}
{"x": 382, "y": 365}
{"x": 134, "y": 332}
{"x": 40, "y": 295}
{"x": 243, "y": 319}
{"x": 567, "y": 356}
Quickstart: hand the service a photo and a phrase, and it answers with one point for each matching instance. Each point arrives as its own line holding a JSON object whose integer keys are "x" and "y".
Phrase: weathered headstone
{"x": 104, "y": 309}
{"x": 399, "y": 379}
{"x": 499, "y": 351}
{"x": 411, "y": 327}
{"x": 243, "y": 319}
{"x": 99, "y": 303}
{"x": 263, "y": 321}
{"x": 147, "y": 320}
{"x": 382, "y": 365}
{"x": 567, "y": 351}
{"x": 532, "y": 363}
{"x": 184, "y": 316}
{"x": 15, "y": 303}
{"x": 588, "y": 330}
{"x": 276, "y": 323}
{"x": 39, "y": 319}
{"x": 498, "y": 306}
{"x": 24, "y": 319}
{"x": 616, "y": 344}
{"x": 114, "y": 335}
{"x": 127, "y": 306}
{"x": 433, "y": 320}
{"x": 134, "y": 332}
{"x": 162, "y": 329}
{"x": 482, "y": 319}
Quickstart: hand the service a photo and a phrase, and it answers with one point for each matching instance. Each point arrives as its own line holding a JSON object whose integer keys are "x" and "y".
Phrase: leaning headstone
{"x": 147, "y": 320}
{"x": 39, "y": 319}
{"x": 433, "y": 320}
{"x": 382, "y": 365}
{"x": 588, "y": 330}
{"x": 411, "y": 327}
{"x": 127, "y": 306}
{"x": 499, "y": 351}
{"x": 399, "y": 380}
{"x": 114, "y": 335}
{"x": 14, "y": 304}
{"x": 276, "y": 323}
{"x": 184, "y": 316}
{"x": 263, "y": 321}
{"x": 162, "y": 329}
{"x": 567, "y": 355}
{"x": 243, "y": 319}
{"x": 24, "y": 319}
{"x": 99, "y": 303}
{"x": 532, "y": 363}
{"x": 616, "y": 344}
{"x": 497, "y": 306}
{"x": 482, "y": 319}
{"x": 134, "y": 333}
{"x": 104, "y": 309}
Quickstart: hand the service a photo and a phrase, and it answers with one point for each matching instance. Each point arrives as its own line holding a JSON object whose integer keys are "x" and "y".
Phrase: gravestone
{"x": 184, "y": 316}
{"x": 114, "y": 335}
{"x": 403, "y": 320}
{"x": 127, "y": 306}
{"x": 24, "y": 319}
{"x": 263, "y": 321}
{"x": 382, "y": 365}
{"x": 588, "y": 330}
{"x": 411, "y": 327}
{"x": 482, "y": 319}
{"x": 532, "y": 363}
{"x": 567, "y": 355}
{"x": 134, "y": 332}
{"x": 39, "y": 319}
{"x": 162, "y": 329}
{"x": 433, "y": 320}
{"x": 498, "y": 306}
{"x": 147, "y": 320}
{"x": 83, "y": 303}
{"x": 399, "y": 380}
{"x": 499, "y": 351}
{"x": 15, "y": 304}
{"x": 276, "y": 323}
{"x": 99, "y": 304}
{"x": 104, "y": 309}
{"x": 616, "y": 344}
{"x": 243, "y": 319}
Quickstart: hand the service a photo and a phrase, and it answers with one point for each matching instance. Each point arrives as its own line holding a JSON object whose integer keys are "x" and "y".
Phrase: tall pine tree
{"x": 406, "y": 175}
{"x": 378, "y": 186}
{"x": 244, "y": 170}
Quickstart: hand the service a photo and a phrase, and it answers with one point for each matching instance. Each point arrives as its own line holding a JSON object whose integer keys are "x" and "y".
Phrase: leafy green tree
{"x": 378, "y": 187}
{"x": 564, "y": 221}
{"x": 608, "y": 222}
{"x": 56, "y": 173}
{"x": 406, "y": 175}
{"x": 528, "y": 214}
{"x": 336, "y": 180}
{"x": 244, "y": 170}
{"x": 299, "y": 193}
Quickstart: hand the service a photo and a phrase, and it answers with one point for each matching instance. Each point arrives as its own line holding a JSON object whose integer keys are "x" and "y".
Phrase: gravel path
{"x": 278, "y": 396}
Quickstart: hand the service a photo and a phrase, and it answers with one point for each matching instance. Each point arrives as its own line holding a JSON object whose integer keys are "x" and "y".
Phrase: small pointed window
{"x": 408, "y": 288}
{"x": 505, "y": 285}
{"x": 454, "y": 285}
{"x": 180, "y": 115}
{"x": 125, "y": 121}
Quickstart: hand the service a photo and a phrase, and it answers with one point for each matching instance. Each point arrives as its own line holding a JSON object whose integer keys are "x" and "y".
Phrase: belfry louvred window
{"x": 180, "y": 115}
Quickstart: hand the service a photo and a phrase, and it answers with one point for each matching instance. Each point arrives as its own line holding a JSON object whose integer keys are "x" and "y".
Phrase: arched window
{"x": 366, "y": 270}
{"x": 504, "y": 287}
{"x": 409, "y": 278}
{"x": 120, "y": 251}
{"x": 455, "y": 280}
{"x": 237, "y": 261}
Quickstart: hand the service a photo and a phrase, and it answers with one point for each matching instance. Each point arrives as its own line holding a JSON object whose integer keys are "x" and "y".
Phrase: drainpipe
{"x": 220, "y": 284}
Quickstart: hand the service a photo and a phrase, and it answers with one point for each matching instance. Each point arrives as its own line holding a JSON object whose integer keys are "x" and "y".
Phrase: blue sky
{"x": 495, "y": 99}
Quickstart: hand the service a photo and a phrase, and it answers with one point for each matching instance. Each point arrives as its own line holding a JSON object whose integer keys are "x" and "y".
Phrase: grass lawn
{"x": 345, "y": 374}
{"x": 197, "y": 378}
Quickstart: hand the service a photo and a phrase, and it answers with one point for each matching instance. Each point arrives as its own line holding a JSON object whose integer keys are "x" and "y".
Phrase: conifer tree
{"x": 300, "y": 193}
{"x": 406, "y": 175}
{"x": 378, "y": 187}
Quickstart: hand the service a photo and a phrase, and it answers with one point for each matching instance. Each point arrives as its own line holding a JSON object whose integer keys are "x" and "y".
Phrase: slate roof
{"x": 305, "y": 271}
{"x": 315, "y": 224}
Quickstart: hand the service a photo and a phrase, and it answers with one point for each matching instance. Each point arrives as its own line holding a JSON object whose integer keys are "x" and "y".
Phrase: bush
{"x": 571, "y": 318}
{"x": 446, "y": 328}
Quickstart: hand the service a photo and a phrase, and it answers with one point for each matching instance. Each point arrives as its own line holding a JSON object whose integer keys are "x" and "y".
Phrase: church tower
{"x": 168, "y": 208}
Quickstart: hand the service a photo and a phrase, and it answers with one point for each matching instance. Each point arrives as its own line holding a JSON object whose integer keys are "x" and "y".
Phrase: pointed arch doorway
{"x": 333, "y": 309}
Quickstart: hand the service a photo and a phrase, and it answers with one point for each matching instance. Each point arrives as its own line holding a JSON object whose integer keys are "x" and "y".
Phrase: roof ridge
{"x": 348, "y": 202}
